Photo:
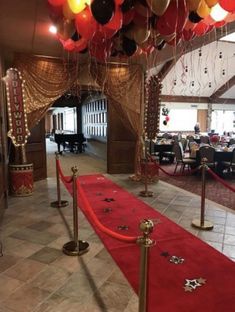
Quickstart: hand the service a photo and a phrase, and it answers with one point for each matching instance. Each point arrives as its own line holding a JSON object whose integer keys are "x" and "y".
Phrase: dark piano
{"x": 73, "y": 141}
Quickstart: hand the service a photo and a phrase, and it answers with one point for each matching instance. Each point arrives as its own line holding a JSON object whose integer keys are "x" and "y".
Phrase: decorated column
{"x": 21, "y": 173}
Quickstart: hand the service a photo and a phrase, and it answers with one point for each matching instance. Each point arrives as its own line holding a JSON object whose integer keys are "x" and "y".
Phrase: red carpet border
{"x": 203, "y": 279}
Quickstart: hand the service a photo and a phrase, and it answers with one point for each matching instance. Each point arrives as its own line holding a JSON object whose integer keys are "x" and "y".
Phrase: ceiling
{"x": 24, "y": 28}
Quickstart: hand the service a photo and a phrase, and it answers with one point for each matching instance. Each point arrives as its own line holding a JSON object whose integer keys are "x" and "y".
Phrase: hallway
{"x": 35, "y": 276}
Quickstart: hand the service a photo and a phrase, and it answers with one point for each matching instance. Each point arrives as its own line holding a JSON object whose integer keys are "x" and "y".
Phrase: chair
{"x": 229, "y": 165}
{"x": 207, "y": 152}
{"x": 180, "y": 160}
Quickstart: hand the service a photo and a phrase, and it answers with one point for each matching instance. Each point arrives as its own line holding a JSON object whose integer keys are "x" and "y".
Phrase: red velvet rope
{"x": 87, "y": 209}
{"x": 221, "y": 180}
{"x": 63, "y": 178}
{"x": 174, "y": 174}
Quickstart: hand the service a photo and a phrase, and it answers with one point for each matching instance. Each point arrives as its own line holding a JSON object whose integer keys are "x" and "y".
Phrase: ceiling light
{"x": 229, "y": 38}
{"x": 218, "y": 13}
{"x": 53, "y": 29}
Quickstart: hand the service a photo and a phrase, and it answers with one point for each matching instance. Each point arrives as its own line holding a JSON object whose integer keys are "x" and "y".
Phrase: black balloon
{"x": 129, "y": 46}
{"x": 103, "y": 10}
{"x": 164, "y": 122}
{"x": 127, "y": 5}
{"x": 194, "y": 17}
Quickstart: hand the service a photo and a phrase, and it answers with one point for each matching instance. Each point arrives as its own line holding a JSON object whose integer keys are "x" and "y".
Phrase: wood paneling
{"x": 121, "y": 144}
{"x": 36, "y": 151}
{"x": 202, "y": 119}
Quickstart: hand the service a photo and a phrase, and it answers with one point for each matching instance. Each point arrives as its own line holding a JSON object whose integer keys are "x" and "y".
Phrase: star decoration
{"x": 192, "y": 283}
{"x": 123, "y": 227}
{"x": 165, "y": 254}
{"x": 107, "y": 210}
{"x": 108, "y": 200}
{"x": 176, "y": 260}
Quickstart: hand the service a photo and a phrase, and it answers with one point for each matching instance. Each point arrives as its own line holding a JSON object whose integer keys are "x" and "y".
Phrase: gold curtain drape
{"x": 45, "y": 80}
{"x": 124, "y": 86}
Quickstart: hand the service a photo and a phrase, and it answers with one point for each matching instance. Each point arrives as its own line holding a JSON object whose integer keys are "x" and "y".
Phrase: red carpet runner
{"x": 203, "y": 281}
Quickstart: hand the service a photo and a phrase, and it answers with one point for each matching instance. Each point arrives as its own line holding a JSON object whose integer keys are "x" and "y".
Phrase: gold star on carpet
{"x": 188, "y": 288}
{"x": 201, "y": 280}
{"x": 192, "y": 283}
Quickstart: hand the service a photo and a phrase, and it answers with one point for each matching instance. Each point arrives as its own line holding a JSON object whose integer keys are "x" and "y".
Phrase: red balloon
{"x": 85, "y": 23}
{"x": 219, "y": 24}
{"x": 188, "y": 35}
{"x": 140, "y": 20}
{"x": 167, "y": 118}
{"x": 128, "y": 16}
{"x": 80, "y": 45}
{"x": 68, "y": 44}
{"x": 116, "y": 21}
{"x": 227, "y": 5}
{"x": 200, "y": 28}
{"x": 174, "y": 18}
{"x": 56, "y": 2}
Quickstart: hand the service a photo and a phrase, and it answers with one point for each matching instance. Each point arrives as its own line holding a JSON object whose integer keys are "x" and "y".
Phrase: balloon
{"x": 140, "y": 20}
{"x": 129, "y": 46}
{"x": 167, "y": 118}
{"x": 68, "y": 44}
{"x": 77, "y": 6}
{"x": 158, "y": 7}
{"x": 189, "y": 25}
{"x": 56, "y": 2}
{"x": 194, "y": 17}
{"x": 219, "y": 24}
{"x": 228, "y": 5}
{"x": 127, "y": 5}
{"x": 192, "y": 5}
{"x": 174, "y": 19}
{"x": 67, "y": 11}
{"x": 164, "y": 122}
{"x": 80, "y": 45}
{"x": 201, "y": 28}
{"x": 203, "y": 10}
{"x": 103, "y": 10}
{"x": 115, "y": 22}
{"x": 128, "y": 16}
{"x": 65, "y": 29}
{"x": 138, "y": 34}
{"x": 211, "y": 3}
{"x": 142, "y": 10}
{"x": 82, "y": 20}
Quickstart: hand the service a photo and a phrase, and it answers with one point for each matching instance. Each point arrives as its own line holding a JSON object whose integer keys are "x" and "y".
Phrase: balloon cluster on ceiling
{"x": 131, "y": 27}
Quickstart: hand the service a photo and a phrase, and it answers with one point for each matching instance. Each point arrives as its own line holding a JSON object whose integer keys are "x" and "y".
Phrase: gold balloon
{"x": 65, "y": 29}
{"x": 192, "y": 5}
{"x": 158, "y": 7}
{"x": 211, "y": 3}
{"x": 138, "y": 34}
{"x": 203, "y": 10}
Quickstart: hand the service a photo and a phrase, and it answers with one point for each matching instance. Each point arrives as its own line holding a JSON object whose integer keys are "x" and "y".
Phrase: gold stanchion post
{"x": 146, "y": 192}
{"x": 145, "y": 242}
{"x": 58, "y": 203}
{"x": 75, "y": 247}
{"x": 202, "y": 223}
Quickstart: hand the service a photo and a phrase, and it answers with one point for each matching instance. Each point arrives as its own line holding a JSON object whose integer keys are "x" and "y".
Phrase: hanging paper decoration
{"x": 128, "y": 28}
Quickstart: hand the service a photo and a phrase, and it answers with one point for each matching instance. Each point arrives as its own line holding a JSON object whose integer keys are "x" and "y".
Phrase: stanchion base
{"x": 73, "y": 249}
{"x": 207, "y": 225}
{"x": 63, "y": 203}
{"x": 146, "y": 193}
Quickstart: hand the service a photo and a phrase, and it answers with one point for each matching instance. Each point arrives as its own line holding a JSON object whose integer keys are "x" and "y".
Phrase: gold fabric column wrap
{"x": 45, "y": 80}
{"x": 124, "y": 87}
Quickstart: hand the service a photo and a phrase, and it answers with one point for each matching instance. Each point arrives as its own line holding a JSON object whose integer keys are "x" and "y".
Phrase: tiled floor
{"x": 35, "y": 276}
